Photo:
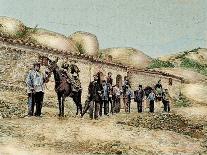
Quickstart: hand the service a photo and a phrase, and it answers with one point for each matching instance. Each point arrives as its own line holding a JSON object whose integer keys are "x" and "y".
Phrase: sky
{"x": 156, "y": 27}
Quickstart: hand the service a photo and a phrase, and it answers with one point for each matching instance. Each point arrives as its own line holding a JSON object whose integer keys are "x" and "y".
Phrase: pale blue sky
{"x": 155, "y": 27}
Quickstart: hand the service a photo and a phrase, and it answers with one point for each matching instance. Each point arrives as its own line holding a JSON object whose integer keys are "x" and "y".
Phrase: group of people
{"x": 103, "y": 97}
{"x": 102, "y": 94}
{"x": 152, "y": 95}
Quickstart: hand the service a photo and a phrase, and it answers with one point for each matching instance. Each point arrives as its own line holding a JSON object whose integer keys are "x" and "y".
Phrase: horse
{"x": 63, "y": 88}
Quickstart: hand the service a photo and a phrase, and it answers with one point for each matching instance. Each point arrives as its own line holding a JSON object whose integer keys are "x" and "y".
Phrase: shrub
{"x": 192, "y": 64}
{"x": 182, "y": 101}
{"x": 156, "y": 63}
{"x": 80, "y": 48}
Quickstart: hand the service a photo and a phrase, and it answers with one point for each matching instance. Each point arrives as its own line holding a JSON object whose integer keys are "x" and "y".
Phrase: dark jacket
{"x": 110, "y": 80}
{"x": 138, "y": 95}
{"x": 94, "y": 90}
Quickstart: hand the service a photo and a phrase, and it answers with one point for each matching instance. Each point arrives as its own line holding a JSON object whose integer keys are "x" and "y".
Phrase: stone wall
{"x": 150, "y": 79}
{"x": 15, "y": 62}
{"x": 16, "y": 58}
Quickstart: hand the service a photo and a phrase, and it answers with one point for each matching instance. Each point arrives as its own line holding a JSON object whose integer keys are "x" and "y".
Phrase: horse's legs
{"x": 59, "y": 104}
{"x": 77, "y": 109}
{"x": 75, "y": 99}
{"x": 62, "y": 106}
{"x": 79, "y": 101}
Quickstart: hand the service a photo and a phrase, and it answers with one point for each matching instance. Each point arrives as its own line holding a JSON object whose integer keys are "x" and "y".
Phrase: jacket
{"x": 94, "y": 91}
{"x": 139, "y": 95}
{"x": 35, "y": 80}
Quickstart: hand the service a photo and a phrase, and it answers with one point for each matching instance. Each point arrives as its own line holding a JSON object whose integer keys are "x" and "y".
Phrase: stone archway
{"x": 119, "y": 80}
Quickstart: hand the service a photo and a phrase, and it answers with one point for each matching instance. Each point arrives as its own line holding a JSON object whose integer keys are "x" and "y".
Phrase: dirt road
{"x": 75, "y": 135}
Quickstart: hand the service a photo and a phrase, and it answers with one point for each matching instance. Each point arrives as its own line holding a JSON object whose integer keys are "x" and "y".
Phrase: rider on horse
{"x": 72, "y": 74}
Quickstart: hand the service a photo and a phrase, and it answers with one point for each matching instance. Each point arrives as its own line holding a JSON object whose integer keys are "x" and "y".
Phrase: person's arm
{"x": 29, "y": 81}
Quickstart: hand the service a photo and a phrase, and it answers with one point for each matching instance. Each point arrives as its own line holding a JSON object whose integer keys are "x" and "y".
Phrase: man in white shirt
{"x": 35, "y": 88}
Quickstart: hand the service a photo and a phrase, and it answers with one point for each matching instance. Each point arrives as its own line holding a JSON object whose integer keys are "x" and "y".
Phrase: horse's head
{"x": 52, "y": 65}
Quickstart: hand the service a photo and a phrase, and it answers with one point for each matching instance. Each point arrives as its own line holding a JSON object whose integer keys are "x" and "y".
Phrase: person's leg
{"x": 86, "y": 106}
{"x": 101, "y": 108}
{"x": 41, "y": 102}
{"x": 129, "y": 105}
{"x": 97, "y": 108}
{"x": 125, "y": 103}
{"x": 139, "y": 104}
{"x": 118, "y": 104}
{"x": 151, "y": 106}
{"x": 91, "y": 109}
{"x": 37, "y": 103}
{"x": 168, "y": 106}
{"x": 110, "y": 102}
{"x": 165, "y": 105}
{"x": 30, "y": 100}
{"x": 114, "y": 110}
{"x": 106, "y": 107}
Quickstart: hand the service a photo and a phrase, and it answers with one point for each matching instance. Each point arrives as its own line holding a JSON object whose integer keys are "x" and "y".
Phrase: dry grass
{"x": 188, "y": 75}
{"x": 127, "y": 56}
{"x": 196, "y": 92}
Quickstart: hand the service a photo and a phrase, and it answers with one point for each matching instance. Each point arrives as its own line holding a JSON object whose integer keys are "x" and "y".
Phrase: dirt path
{"x": 74, "y": 135}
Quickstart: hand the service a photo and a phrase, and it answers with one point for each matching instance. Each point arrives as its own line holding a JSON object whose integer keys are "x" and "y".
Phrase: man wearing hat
{"x": 166, "y": 101}
{"x": 94, "y": 98}
{"x": 158, "y": 90}
{"x": 138, "y": 97}
{"x": 35, "y": 88}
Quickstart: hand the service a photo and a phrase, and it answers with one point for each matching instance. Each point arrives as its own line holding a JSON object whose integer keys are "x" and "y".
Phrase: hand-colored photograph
{"x": 103, "y": 77}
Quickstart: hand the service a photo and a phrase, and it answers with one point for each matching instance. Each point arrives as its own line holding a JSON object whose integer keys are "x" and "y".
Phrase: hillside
{"x": 182, "y": 131}
{"x": 127, "y": 56}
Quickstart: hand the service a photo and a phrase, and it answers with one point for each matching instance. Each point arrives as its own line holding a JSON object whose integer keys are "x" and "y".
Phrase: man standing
{"x": 126, "y": 94}
{"x": 35, "y": 88}
{"x": 116, "y": 100}
{"x": 139, "y": 95}
{"x": 110, "y": 83}
{"x": 166, "y": 100}
{"x": 94, "y": 90}
{"x": 105, "y": 97}
{"x": 151, "y": 98}
{"x": 158, "y": 90}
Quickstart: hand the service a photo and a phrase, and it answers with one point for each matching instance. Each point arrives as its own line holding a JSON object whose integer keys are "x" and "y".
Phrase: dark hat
{"x": 140, "y": 86}
{"x": 95, "y": 75}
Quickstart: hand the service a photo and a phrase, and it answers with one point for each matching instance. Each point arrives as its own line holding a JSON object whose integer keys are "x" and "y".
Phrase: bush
{"x": 80, "y": 48}
{"x": 189, "y": 63}
{"x": 159, "y": 64}
{"x": 182, "y": 101}
{"x": 183, "y": 54}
